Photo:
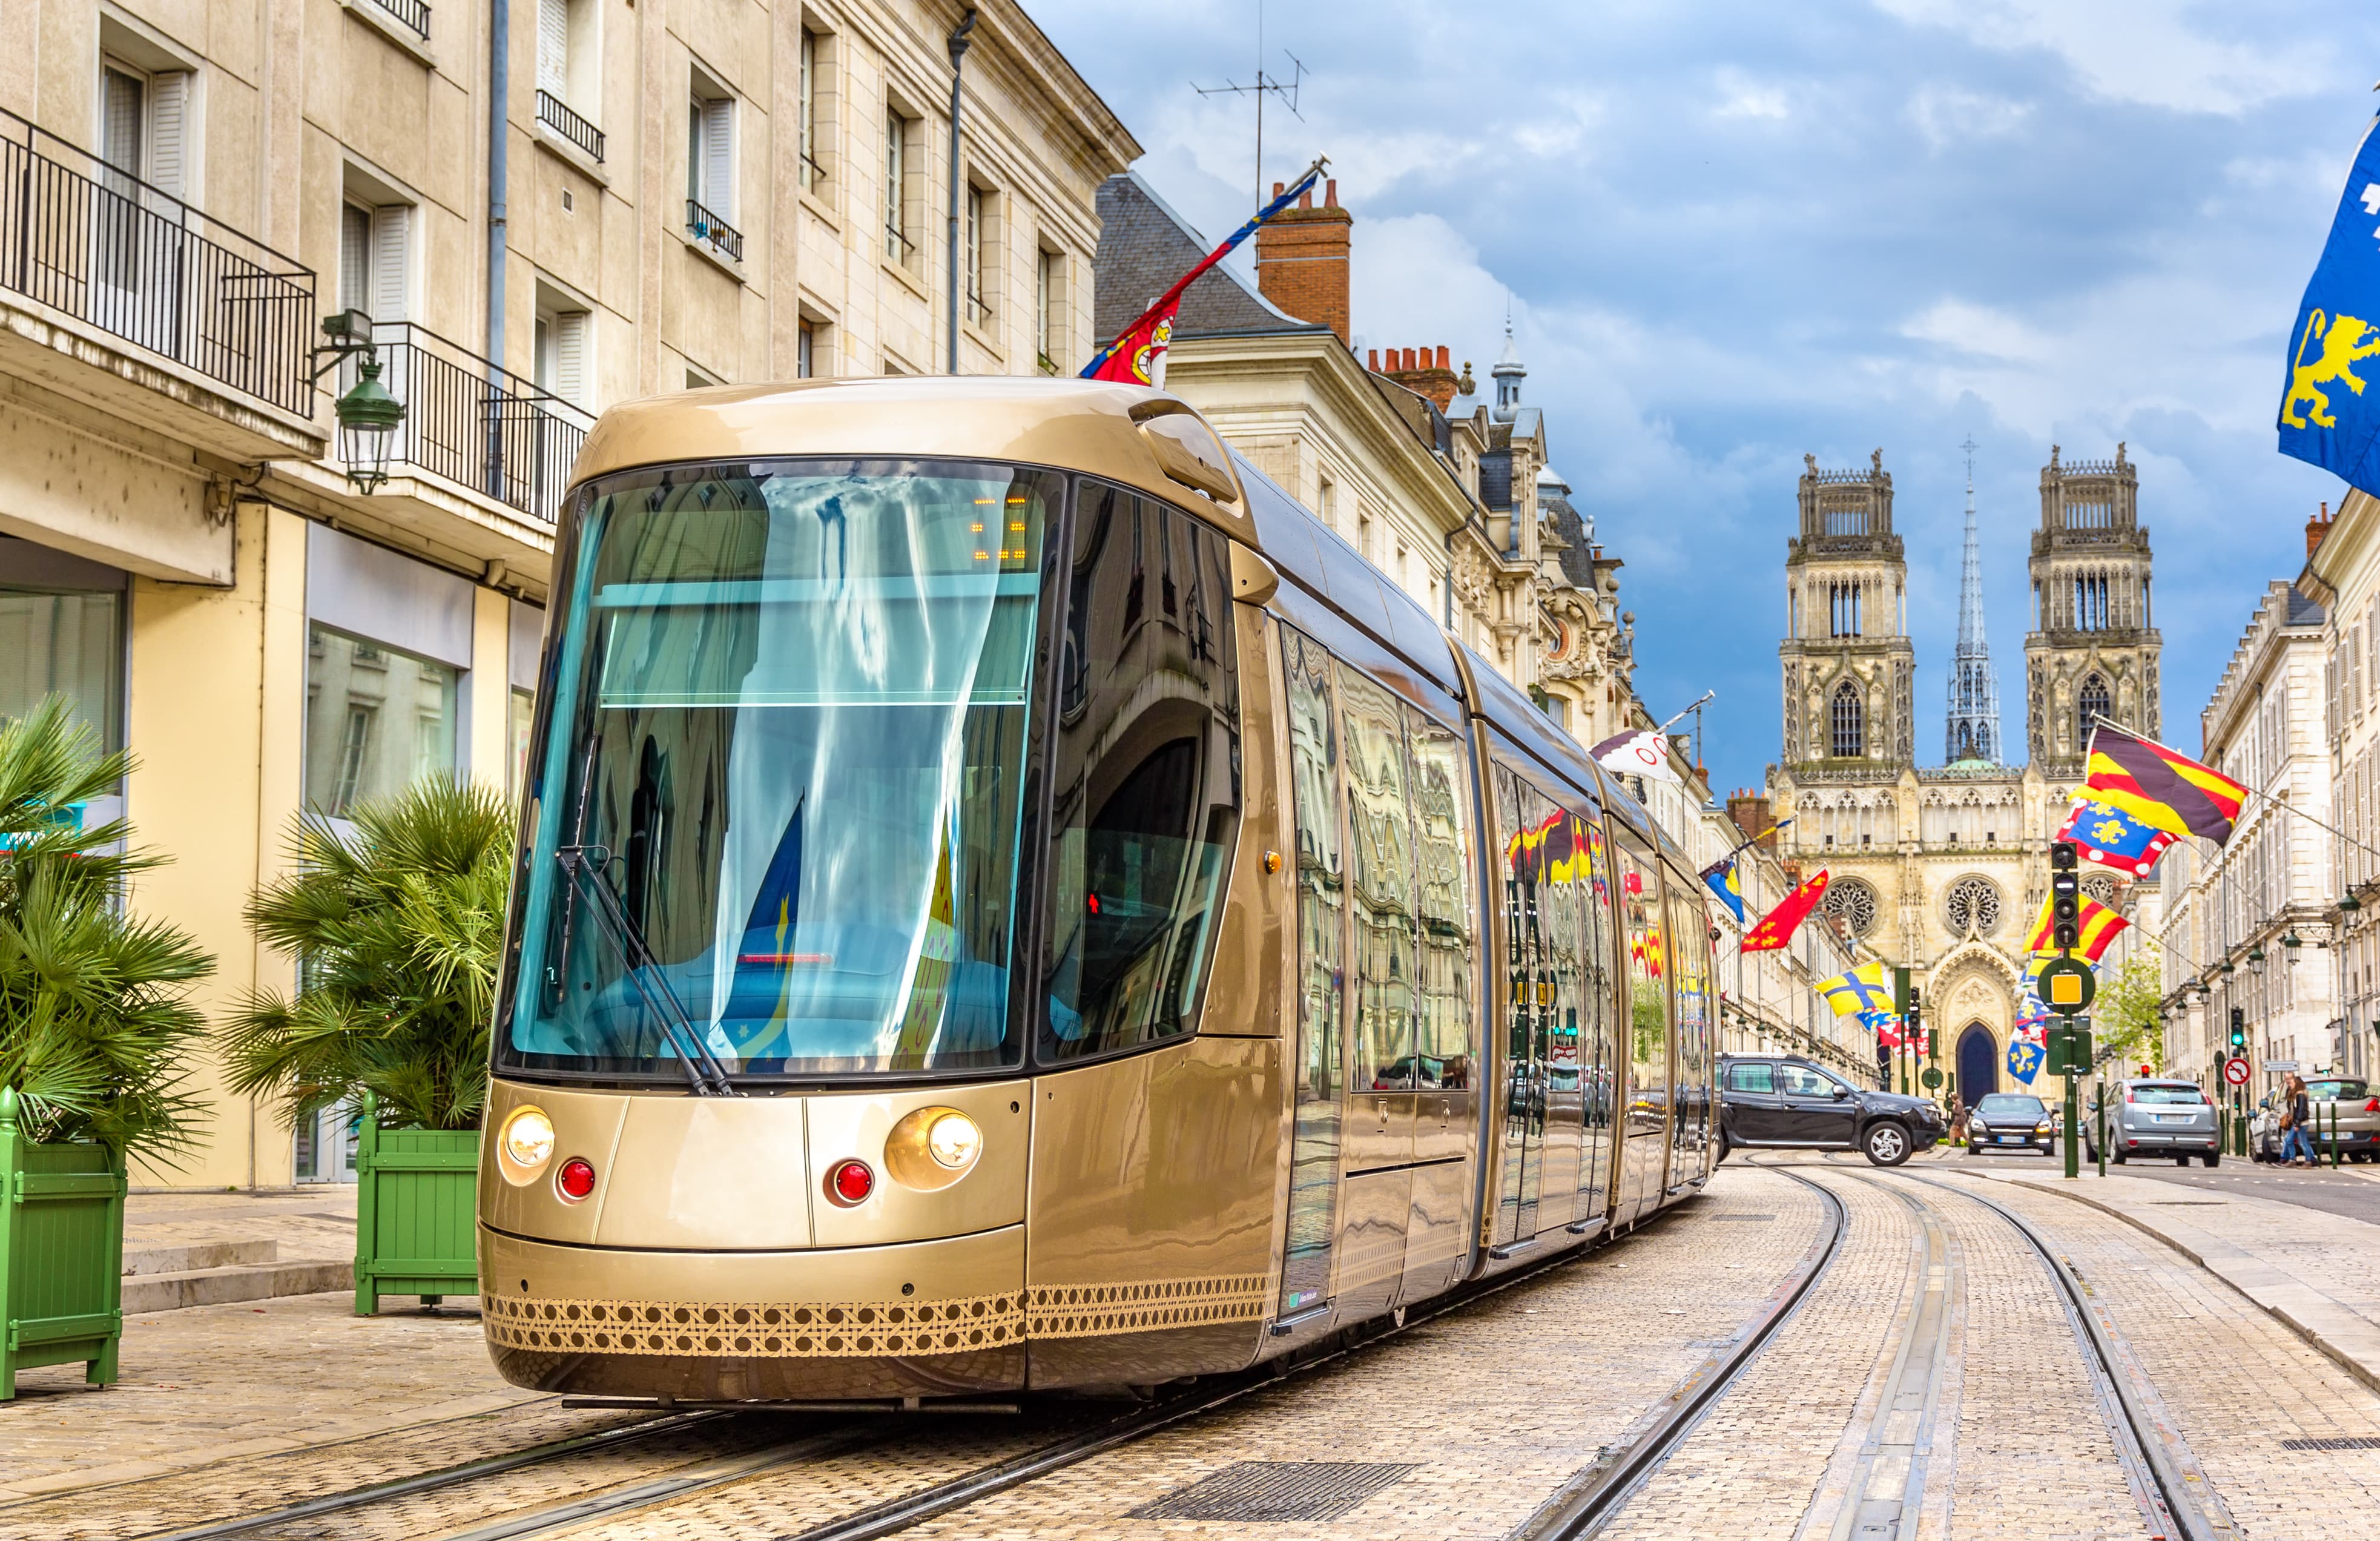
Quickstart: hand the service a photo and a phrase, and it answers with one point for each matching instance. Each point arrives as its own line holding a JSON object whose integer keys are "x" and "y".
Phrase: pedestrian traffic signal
{"x": 2065, "y": 893}
{"x": 2238, "y": 1032}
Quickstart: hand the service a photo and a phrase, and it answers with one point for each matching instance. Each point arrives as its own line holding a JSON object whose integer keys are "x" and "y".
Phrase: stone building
{"x": 1940, "y": 868}
{"x": 2092, "y": 649}
{"x": 672, "y": 196}
{"x": 2342, "y": 575}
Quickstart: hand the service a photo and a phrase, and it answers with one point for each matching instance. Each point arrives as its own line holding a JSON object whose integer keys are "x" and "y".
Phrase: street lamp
{"x": 368, "y": 417}
{"x": 2256, "y": 959}
{"x": 2292, "y": 942}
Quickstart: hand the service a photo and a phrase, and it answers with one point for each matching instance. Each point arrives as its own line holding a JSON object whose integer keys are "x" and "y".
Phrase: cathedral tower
{"x": 1846, "y": 659}
{"x": 2092, "y": 650}
{"x": 1973, "y": 728}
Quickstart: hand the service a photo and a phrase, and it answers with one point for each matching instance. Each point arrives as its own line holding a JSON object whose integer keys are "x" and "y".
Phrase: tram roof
{"x": 1091, "y": 426}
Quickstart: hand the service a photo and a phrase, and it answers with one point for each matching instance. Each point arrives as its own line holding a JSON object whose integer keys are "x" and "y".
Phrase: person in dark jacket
{"x": 2297, "y": 1115}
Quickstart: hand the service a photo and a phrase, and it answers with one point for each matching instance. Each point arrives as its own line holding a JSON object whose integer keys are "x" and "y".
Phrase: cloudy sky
{"x": 1732, "y": 231}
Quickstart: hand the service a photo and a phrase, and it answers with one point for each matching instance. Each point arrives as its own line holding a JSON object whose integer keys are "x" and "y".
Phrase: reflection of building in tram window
{"x": 376, "y": 721}
{"x": 1145, "y": 779}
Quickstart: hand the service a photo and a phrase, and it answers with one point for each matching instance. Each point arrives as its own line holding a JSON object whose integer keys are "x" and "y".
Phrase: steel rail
{"x": 2190, "y": 1502}
{"x": 1592, "y": 1498}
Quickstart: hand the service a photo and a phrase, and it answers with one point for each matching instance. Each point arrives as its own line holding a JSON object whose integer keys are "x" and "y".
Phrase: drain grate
{"x": 2342, "y": 1442}
{"x": 1261, "y": 1490}
{"x": 1723, "y": 1219}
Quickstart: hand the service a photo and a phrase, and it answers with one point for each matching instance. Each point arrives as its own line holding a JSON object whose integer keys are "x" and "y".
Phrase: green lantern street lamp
{"x": 2256, "y": 958}
{"x": 2348, "y": 904}
{"x": 2292, "y": 941}
{"x": 368, "y": 417}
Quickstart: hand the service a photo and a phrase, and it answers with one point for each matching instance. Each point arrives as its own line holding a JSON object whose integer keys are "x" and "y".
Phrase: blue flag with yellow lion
{"x": 2326, "y": 416}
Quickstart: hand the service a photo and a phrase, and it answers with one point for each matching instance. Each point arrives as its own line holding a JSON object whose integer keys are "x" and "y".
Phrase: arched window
{"x": 1850, "y": 737}
{"x": 2089, "y": 707}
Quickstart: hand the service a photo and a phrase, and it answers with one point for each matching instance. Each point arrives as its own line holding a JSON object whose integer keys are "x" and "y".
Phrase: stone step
{"x": 198, "y": 1255}
{"x": 175, "y": 1290}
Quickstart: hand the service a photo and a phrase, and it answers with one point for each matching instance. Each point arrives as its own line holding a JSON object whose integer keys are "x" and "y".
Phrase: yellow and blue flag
{"x": 2027, "y": 1046}
{"x": 1720, "y": 879}
{"x": 2107, "y": 834}
{"x": 1860, "y": 990}
{"x": 2326, "y": 416}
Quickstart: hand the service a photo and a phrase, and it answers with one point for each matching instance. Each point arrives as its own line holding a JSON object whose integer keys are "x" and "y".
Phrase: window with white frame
{"x": 1045, "y": 310}
{"x": 559, "y": 366}
{"x": 568, "y": 86}
{"x": 711, "y": 164}
{"x": 974, "y": 239}
{"x": 375, "y": 256}
{"x": 899, "y": 245}
{"x": 144, "y": 124}
{"x": 813, "y": 57}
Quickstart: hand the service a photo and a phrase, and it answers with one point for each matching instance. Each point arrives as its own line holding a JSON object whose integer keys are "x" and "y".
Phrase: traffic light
{"x": 2239, "y": 1033}
{"x": 2146, "y": 1071}
{"x": 2065, "y": 893}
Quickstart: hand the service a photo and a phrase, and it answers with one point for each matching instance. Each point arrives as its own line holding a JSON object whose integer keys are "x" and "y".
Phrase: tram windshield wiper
{"x": 585, "y": 865}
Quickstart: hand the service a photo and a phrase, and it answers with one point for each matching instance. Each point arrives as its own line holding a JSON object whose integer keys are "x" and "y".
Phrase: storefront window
{"x": 376, "y": 721}
{"x": 65, "y": 643}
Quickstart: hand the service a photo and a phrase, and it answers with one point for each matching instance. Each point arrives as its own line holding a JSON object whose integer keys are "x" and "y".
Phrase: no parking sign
{"x": 2235, "y": 1071}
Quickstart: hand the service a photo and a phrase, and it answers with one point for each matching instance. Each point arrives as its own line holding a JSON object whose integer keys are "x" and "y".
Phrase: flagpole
{"x": 1706, "y": 695}
{"x": 2285, "y": 803}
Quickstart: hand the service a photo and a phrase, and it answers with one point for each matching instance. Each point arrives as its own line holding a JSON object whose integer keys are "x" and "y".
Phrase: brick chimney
{"x": 1302, "y": 259}
{"x": 1426, "y": 371}
{"x": 1748, "y": 810}
{"x": 2316, "y": 527}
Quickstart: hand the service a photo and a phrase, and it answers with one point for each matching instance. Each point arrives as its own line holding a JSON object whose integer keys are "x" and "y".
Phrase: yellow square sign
{"x": 2066, "y": 990}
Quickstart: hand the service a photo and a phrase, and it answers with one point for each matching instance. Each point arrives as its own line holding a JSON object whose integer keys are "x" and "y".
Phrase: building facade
{"x": 2342, "y": 575}
{"x": 668, "y": 197}
{"x": 2092, "y": 649}
{"x": 1940, "y": 869}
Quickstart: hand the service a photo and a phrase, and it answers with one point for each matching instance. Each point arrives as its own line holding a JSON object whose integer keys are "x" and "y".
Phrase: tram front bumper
{"x": 943, "y": 1317}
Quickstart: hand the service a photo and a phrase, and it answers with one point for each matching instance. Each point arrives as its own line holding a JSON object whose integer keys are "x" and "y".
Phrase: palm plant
{"x": 396, "y": 931}
{"x": 96, "y": 1030}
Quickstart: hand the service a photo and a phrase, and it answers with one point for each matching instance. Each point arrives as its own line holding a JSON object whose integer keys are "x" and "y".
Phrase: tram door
{"x": 1321, "y": 1098}
{"x": 1691, "y": 993}
{"x": 1597, "y": 1069}
{"x": 1549, "y": 882}
{"x": 1645, "y": 1120}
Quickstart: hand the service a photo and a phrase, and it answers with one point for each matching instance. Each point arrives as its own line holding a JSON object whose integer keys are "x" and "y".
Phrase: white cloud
{"x": 1741, "y": 96}
{"x": 1948, "y": 115}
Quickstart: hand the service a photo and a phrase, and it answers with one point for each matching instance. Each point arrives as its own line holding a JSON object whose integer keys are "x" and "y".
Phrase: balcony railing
{"x": 472, "y": 422}
{"x": 556, "y": 114}
{"x": 410, "y": 13}
{"x": 708, "y": 229}
{"x": 82, "y": 237}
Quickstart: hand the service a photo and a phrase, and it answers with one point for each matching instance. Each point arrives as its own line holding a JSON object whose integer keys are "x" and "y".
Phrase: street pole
{"x": 2101, "y": 1142}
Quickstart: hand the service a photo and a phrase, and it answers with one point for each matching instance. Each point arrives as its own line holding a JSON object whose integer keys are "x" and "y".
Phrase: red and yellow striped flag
{"x": 2161, "y": 787}
{"x": 2094, "y": 926}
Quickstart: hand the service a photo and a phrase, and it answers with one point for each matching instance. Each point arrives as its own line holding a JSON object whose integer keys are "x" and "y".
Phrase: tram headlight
{"x": 929, "y": 1149}
{"x": 525, "y": 1145}
{"x": 953, "y": 1141}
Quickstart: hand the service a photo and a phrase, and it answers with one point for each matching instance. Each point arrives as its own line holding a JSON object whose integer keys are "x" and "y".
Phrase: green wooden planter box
{"x": 61, "y": 1253}
{"x": 417, "y": 1208}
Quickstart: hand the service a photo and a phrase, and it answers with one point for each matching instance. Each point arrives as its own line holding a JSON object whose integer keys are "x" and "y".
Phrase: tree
{"x": 2125, "y": 1014}
{"x": 96, "y": 1030}
{"x": 396, "y": 933}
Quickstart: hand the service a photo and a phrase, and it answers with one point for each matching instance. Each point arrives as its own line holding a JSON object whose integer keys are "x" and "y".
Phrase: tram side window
{"x": 1144, "y": 775}
{"x": 1321, "y": 913}
{"x": 1440, "y": 775}
{"x": 1379, "y": 829}
{"x": 1648, "y": 968}
{"x": 1595, "y": 1050}
{"x": 1690, "y": 926}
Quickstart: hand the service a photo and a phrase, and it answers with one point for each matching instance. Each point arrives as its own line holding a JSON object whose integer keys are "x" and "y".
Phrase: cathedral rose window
{"x": 1852, "y": 903}
{"x": 1972, "y": 904}
{"x": 2101, "y": 887}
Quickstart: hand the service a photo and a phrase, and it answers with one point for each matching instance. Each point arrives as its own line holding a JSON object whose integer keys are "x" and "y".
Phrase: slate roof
{"x": 1496, "y": 478}
{"x": 2302, "y": 611}
{"x": 1576, "y": 565}
{"x": 1145, "y": 247}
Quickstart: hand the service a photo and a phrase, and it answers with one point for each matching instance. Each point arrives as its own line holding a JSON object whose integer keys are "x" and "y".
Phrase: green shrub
{"x": 96, "y": 1030}
{"x": 396, "y": 931}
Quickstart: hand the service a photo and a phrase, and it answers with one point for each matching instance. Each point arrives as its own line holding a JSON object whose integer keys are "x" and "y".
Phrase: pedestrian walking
{"x": 2297, "y": 1113}
{"x": 1958, "y": 1119}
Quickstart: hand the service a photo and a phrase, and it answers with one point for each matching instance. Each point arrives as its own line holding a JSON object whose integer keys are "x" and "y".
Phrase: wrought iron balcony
{"x": 556, "y": 114}
{"x": 110, "y": 251}
{"x": 472, "y": 422}
{"x": 412, "y": 15}
{"x": 713, "y": 232}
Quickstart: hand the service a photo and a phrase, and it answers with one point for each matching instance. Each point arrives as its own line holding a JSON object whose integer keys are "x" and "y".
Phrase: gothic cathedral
{"x": 1941, "y": 868}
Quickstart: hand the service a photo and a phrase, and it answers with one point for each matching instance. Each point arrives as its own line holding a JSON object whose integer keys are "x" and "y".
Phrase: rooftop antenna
{"x": 1266, "y": 85}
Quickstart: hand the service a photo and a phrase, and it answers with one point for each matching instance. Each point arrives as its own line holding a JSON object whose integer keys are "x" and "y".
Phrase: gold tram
{"x": 1008, "y": 900}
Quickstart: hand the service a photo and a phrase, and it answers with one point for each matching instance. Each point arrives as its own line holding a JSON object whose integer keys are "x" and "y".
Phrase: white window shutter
{"x": 570, "y": 357}
{"x": 718, "y": 157}
{"x": 553, "y": 47}
{"x": 391, "y": 225}
{"x": 354, "y": 258}
{"x": 169, "y": 139}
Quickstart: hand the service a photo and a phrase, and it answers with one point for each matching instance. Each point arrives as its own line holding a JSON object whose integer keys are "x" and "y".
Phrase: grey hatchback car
{"x": 2156, "y": 1117}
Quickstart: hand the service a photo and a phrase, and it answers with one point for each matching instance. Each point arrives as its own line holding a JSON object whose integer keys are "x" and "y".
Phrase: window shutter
{"x": 553, "y": 47}
{"x": 389, "y": 225}
{"x": 354, "y": 258}
{"x": 718, "y": 159}
{"x": 119, "y": 126}
{"x": 169, "y": 108}
{"x": 570, "y": 357}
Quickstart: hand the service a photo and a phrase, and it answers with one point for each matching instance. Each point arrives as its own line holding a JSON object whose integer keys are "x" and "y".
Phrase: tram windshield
{"x": 774, "y": 817}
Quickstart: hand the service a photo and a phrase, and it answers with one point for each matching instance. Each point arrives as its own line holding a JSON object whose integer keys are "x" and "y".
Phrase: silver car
{"x": 2156, "y": 1117}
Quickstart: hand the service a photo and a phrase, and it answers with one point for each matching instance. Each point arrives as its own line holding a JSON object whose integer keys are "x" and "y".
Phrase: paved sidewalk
{"x": 186, "y": 1249}
{"x": 2319, "y": 1274}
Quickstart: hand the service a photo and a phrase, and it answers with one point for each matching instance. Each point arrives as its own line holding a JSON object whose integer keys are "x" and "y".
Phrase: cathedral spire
{"x": 1973, "y": 729}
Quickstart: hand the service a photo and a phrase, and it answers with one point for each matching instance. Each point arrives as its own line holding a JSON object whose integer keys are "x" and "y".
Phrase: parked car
{"x": 2156, "y": 1117}
{"x": 1782, "y": 1101}
{"x": 2011, "y": 1120}
{"x": 2357, "y": 1109}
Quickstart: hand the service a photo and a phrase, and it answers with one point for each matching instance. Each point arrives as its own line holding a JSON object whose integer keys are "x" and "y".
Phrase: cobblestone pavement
{"x": 220, "y": 1381}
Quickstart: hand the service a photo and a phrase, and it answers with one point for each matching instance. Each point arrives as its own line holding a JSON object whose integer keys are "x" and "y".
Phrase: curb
{"x": 2314, "y": 1336}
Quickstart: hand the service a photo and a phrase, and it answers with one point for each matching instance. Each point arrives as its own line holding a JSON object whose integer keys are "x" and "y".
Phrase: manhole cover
{"x": 2342, "y": 1442}
{"x": 1262, "y": 1490}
